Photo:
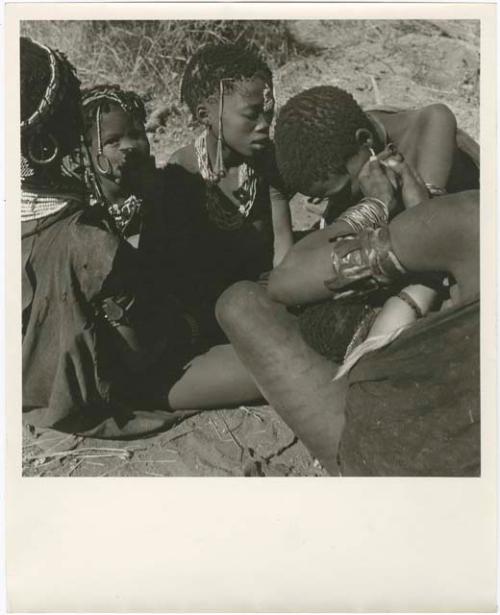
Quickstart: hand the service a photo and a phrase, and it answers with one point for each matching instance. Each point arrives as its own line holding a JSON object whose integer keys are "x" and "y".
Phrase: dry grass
{"x": 150, "y": 55}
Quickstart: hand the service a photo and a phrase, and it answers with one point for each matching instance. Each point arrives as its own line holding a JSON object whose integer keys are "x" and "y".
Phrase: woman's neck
{"x": 229, "y": 156}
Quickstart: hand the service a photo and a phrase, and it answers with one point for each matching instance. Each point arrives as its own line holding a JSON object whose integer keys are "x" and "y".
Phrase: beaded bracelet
{"x": 410, "y": 301}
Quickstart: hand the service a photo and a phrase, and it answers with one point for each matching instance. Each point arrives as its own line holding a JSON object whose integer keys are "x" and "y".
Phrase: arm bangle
{"x": 409, "y": 300}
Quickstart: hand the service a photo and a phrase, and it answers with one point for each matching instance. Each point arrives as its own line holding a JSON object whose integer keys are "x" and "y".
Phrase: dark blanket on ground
{"x": 413, "y": 408}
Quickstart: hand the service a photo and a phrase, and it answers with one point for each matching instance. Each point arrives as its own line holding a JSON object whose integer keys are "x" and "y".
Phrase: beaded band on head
{"x": 45, "y": 108}
{"x": 45, "y": 137}
{"x": 101, "y": 95}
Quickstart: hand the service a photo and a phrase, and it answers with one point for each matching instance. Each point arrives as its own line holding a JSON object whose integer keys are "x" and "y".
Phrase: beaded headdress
{"x": 93, "y": 99}
{"x": 43, "y": 139}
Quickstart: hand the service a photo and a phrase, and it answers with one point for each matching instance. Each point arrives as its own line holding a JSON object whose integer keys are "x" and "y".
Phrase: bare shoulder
{"x": 402, "y": 123}
{"x": 186, "y": 158}
{"x": 437, "y": 112}
{"x": 434, "y": 112}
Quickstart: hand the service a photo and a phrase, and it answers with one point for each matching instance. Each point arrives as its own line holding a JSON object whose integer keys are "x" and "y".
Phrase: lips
{"x": 261, "y": 142}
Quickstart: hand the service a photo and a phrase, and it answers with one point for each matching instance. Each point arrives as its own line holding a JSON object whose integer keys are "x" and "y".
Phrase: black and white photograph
{"x": 250, "y": 248}
{"x": 251, "y": 244}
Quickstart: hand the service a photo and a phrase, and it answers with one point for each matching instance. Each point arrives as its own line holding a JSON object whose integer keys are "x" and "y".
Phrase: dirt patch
{"x": 248, "y": 441}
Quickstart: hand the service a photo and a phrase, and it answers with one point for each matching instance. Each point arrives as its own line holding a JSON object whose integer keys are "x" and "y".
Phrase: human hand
{"x": 379, "y": 182}
{"x": 413, "y": 189}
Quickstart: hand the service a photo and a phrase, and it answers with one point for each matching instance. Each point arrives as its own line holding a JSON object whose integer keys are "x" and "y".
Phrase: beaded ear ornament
{"x": 101, "y": 97}
{"x": 247, "y": 189}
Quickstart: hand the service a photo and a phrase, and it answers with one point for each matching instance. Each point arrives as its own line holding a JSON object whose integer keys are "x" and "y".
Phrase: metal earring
{"x": 219, "y": 167}
{"x": 108, "y": 169}
{"x": 51, "y": 147}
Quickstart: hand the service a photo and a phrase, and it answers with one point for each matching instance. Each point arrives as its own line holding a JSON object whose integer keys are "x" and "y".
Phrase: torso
{"x": 221, "y": 202}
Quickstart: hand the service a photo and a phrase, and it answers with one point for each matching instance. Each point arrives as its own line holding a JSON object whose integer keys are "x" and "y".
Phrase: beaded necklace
{"x": 246, "y": 192}
{"x": 36, "y": 205}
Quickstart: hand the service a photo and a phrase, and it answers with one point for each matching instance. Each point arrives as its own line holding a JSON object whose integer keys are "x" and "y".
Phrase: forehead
{"x": 245, "y": 92}
{"x": 116, "y": 118}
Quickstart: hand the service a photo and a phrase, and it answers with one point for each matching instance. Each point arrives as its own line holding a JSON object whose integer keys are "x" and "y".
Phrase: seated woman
{"x": 86, "y": 369}
{"x": 294, "y": 370}
{"x": 225, "y": 186}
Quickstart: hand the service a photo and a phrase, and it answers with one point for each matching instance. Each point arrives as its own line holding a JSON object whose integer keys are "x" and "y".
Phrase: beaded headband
{"x": 48, "y": 99}
{"x": 129, "y": 104}
{"x": 113, "y": 97}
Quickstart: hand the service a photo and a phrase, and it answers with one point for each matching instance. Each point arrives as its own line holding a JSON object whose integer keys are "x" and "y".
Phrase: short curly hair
{"x": 104, "y": 96}
{"x": 50, "y": 97}
{"x": 315, "y": 135}
{"x": 214, "y": 62}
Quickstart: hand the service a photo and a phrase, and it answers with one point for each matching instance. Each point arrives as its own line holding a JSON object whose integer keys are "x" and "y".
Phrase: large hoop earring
{"x": 44, "y": 147}
{"x": 104, "y": 171}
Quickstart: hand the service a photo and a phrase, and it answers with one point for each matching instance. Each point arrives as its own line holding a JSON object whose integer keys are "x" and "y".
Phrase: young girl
{"x": 226, "y": 181}
{"x": 122, "y": 167}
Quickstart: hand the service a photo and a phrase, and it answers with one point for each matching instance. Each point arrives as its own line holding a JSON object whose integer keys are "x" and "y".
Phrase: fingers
{"x": 317, "y": 209}
{"x": 389, "y": 151}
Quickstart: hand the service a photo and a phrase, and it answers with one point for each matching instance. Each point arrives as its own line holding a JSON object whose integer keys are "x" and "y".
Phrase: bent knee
{"x": 237, "y": 302}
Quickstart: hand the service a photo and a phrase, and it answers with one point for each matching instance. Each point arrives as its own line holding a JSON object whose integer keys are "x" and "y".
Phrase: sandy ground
{"x": 396, "y": 66}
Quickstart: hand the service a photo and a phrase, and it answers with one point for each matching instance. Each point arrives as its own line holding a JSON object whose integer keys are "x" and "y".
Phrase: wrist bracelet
{"x": 409, "y": 300}
{"x": 370, "y": 212}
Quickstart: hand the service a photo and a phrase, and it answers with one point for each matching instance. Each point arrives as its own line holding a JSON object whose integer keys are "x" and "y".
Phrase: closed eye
{"x": 111, "y": 140}
{"x": 251, "y": 115}
{"x": 316, "y": 200}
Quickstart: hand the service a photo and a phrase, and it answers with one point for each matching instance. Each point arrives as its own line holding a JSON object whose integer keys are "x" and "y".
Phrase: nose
{"x": 264, "y": 122}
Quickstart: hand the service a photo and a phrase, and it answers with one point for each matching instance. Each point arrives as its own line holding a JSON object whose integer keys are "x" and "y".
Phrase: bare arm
{"x": 433, "y": 153}
{"x": 300, "y": 277}
{"x": 282, "y": 225}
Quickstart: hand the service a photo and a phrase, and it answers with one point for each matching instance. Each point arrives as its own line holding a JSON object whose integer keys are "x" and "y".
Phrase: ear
{"x": 203, "y": 115}
{"x": 364, "y": 136}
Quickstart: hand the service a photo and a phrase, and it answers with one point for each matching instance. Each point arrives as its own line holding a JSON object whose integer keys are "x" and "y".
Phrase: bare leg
{"x": 295, "y": 380}
{"x": 216, "y": 379}
{"x": 442, "y": 235}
